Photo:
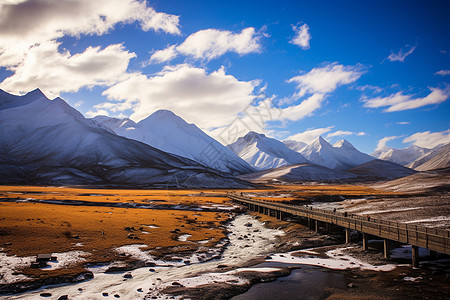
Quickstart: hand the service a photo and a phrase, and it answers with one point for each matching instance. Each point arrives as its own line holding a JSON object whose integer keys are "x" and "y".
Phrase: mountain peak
{"x": 344, "y": 144}
{"x": 252, "y": 136}
{"x": 320, "y": 141}
{"x": 163, "y": 113}
{"x": 36, "y": 93}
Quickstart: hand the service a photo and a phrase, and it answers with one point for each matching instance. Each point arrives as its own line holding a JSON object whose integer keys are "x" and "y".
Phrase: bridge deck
{"x": 430, "y": 238}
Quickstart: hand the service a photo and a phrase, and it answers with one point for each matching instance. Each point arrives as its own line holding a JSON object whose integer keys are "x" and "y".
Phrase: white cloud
{"x": 78, "y": 103}
{"x": 382, "y": 143}
{"x": 326, "y": 79}
{"x": 208, "y": 100}
{"x": 429, "y": 139}
{"x": 164, "y": 55}
{"x": 398, "y": 101}
{"x": 55, "y": 72}
{"x": 345, "y": 132}
{"x": 302, "y": 36}
{"x": 29, "y": 46}
{"x": 310, "y": 135}
{"x": 304, "y": 109}
{"x": 400, "y": 56}
{"x": 375, "y": 89}
{"x": 403, "y": 123}
{"x": 27, "y": 23}
{"x": 443, "y": 72}
{"x": 212, "y": 43}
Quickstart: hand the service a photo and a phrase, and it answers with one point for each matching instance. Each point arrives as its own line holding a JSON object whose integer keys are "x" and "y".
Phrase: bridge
{"x": 437, "y": 240}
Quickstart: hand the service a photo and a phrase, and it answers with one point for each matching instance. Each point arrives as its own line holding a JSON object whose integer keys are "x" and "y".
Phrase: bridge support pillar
{"x": 365, "y": 241}
{"x": 347, "y": 235}
{"x": 316, "y": 226}
{"x": 327, "y": 226}
{"x": 386, "y": 248}
{"x": 309, "y": 222}
{"x": 280, "y": 215}
{"x": 415, "y": 256}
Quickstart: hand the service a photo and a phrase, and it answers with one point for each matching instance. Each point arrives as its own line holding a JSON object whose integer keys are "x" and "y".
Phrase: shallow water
{"x": 309, "y": 282}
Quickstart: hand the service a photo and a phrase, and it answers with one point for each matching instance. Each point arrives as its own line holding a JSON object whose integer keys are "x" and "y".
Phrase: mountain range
{"x": 168, "y": 132}
{"x": 45, "y": 141}
{"x": 265, "y": 153}
{"x": 417, "y": 158}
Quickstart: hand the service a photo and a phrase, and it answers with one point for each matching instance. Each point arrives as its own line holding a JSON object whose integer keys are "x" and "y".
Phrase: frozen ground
{"x": 11, "y": 265}
{"x": 336, "y": 260}
{"x": 259, "y": 241}
{"x": 430, "y": 211}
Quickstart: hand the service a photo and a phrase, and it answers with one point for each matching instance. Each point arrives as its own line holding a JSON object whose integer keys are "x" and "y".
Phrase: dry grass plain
{"x": 28, "y": 229}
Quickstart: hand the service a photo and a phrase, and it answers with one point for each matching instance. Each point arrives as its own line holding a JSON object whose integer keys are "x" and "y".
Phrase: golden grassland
{"x": 188, "y": 197}
{"x": 28, "y": 229}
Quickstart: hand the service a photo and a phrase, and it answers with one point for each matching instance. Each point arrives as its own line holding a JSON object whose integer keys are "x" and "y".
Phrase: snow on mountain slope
{"x": 437, "y": 158}
{"x": 341, "y": 156}
{"x": 265, "y": 153}
{"x": 168, "y": 132}
{"x": 381, "y": 169}
{"x": 295, "y": 173}
{"x": 46, "y": 141}
{"x": 295, "y": 145}
{"x": 401, "y": 156}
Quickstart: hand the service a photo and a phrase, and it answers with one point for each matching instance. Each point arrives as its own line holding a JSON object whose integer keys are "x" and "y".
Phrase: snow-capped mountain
{"x": 341, "y": 156}
{"x": 437, "y": 158}
{"x": 295, "y": 145}
{"x": 296, "y": 173}
{"x": 46, "y": 141}
{"x": 168, "y": 132}
{"x": 401, "y": 156}
{"x": 265, "y": 153}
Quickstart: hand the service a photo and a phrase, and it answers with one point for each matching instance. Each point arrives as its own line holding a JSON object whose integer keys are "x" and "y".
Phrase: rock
{"x": 152, "y": 270}
{"x": 176, "y": 283}
{"x": 248, "y": 225}
{"x": 222, "y": 266}
{"x": 80, "y": 289}
{"x": 64, "y": 297}
{"x": 150, "y": 264}
{"x": 105, "y": 294}
{"x": 140, "y": 290}
{"x": 46, "y": 295}
{"x": 128, "y": 275}
{"x": 268, "y": 257}
{"x": 116, "y": 296}
{"x": 351, "y": 285}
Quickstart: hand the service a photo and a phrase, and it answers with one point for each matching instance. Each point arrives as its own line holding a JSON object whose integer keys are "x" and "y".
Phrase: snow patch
{"x": 337, "y": 260}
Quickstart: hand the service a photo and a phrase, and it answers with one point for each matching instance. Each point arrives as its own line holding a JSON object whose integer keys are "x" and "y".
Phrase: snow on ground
{"x": 435, "y": 221}
{"x": 147, "y": 282}
{"x": 66, "y": 259}
{"x": 227, "y": 277}
{"x": 9, "y": 265}
{"x": 336, "y": 260}
{"x": 184, "y": 237}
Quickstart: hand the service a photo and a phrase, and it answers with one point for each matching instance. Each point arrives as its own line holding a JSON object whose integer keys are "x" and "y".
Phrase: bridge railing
{"x": 431, "y": 238}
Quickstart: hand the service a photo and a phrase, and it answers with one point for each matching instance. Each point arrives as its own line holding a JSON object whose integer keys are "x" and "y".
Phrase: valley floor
{"x": 181, "y": 234}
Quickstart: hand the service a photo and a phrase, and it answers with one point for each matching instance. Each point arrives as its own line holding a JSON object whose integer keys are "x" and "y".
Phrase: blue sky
{"x": 372, "y": 72}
